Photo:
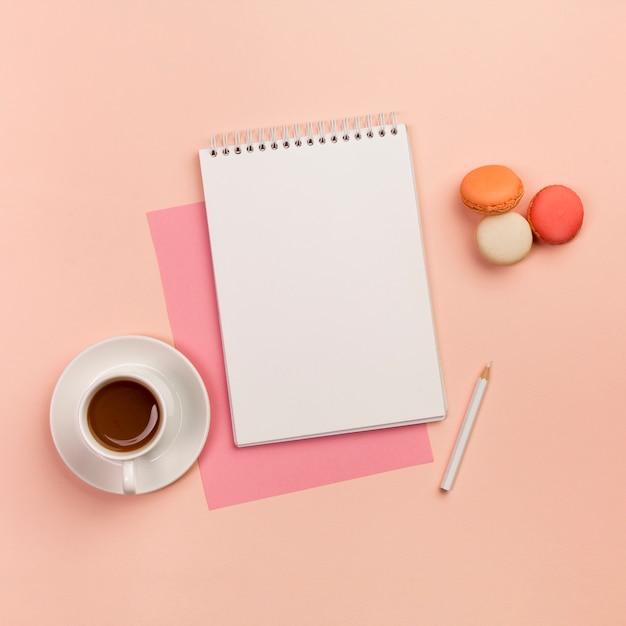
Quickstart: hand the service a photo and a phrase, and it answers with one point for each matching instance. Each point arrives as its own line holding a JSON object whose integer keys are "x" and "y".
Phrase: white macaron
{"x": 504, "y": 239}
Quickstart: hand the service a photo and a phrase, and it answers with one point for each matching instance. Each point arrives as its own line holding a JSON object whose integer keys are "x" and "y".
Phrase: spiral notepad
{"x": 321, "y": 281}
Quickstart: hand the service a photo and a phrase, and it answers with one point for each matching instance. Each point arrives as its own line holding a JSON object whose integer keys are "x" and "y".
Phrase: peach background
{"x": 103, "y": 107}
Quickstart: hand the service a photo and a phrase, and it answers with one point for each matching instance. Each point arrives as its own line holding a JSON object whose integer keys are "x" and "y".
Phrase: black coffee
{"x": 123, "y": 416}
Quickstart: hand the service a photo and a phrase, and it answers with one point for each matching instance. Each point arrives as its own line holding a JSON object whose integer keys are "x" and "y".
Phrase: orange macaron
{"x": 491, "y": 189}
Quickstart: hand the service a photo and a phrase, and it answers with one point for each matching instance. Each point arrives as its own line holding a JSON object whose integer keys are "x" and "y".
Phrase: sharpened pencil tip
{"x": 485, "y": 373}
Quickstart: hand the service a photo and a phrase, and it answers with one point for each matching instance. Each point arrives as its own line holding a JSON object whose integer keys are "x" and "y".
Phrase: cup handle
{"x": 128, "y": 478}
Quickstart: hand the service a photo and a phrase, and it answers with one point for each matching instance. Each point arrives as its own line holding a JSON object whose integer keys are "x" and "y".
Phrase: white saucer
{"x": 185, "y": 433}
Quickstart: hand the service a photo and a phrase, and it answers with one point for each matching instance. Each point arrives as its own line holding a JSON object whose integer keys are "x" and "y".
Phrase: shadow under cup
{"x": 124, "y": 415}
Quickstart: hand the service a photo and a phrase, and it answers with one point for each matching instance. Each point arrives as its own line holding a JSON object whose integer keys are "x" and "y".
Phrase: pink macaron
{"x": 555, "y": 214}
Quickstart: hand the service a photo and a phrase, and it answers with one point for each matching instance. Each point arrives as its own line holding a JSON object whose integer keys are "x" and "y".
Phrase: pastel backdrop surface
{"x": 104, "y": 107}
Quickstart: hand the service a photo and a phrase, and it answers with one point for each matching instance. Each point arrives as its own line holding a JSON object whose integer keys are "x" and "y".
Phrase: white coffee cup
{"x": 122, "y": 416}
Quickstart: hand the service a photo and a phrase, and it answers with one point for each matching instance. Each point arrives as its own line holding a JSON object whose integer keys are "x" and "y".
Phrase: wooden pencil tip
{"x": 485, "y": 373}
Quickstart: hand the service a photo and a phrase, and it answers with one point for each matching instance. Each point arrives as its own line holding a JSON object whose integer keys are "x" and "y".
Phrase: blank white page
{"x": 322, "y": 290}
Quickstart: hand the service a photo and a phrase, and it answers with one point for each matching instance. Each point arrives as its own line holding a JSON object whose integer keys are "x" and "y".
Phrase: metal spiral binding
{"x": 320, "y": 132}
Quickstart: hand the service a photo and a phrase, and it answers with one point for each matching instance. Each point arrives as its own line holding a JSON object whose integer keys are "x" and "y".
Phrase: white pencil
{"x": 466, "y": 429}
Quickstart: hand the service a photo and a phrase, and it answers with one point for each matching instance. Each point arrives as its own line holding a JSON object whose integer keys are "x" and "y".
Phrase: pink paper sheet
{"x": 234, "y": 475}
